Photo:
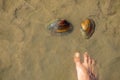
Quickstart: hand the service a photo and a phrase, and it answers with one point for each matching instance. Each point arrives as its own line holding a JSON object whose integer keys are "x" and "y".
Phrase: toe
{"x": 94, "y": 69}
{"x": 86, "y": 57}
{"x": 89, "y": 60}
{"x": 93, "y": 65}
{"x": 93, "y": 62}
{"x": 77, "y": 58}
{"x": 90, "y": 64}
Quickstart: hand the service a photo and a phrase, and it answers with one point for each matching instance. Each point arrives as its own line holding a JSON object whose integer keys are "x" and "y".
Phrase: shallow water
{"x": 29, "y": 52}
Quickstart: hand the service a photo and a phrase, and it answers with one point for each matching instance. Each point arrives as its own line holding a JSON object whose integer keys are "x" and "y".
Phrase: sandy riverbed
{"x": 29, "y": 52}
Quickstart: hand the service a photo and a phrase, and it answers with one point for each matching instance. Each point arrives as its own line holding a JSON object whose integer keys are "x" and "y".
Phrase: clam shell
{"x": 87, "y": 28}
{"x": 60, "y": 27}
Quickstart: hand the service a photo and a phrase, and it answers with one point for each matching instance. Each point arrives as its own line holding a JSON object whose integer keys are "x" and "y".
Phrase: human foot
{"x": 85, "y": 69}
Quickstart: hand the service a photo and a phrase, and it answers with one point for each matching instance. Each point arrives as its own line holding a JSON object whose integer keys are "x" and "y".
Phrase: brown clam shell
{"x": 87, "y": 28}
{"x": 60, "y": 27}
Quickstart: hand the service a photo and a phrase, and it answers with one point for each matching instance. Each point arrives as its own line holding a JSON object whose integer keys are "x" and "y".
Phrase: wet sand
{"x": 29, "y": 52}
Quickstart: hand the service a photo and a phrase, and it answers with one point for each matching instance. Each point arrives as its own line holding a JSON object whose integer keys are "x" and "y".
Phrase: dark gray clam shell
{"x": 60, "y": 27}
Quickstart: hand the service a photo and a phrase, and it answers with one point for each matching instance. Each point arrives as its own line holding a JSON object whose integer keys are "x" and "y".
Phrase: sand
{"x": 29, "y": 52}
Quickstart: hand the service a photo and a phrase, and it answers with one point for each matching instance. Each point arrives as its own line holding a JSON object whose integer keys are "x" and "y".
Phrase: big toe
{"x": 77, "y": 58}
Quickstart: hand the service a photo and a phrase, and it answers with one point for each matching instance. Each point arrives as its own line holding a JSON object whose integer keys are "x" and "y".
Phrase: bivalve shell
{"x": 60, "y": 27}
{"x": 87, "y": 28}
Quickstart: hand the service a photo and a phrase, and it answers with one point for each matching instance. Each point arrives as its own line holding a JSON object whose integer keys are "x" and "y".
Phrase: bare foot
{"x": 85, "y": 69}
